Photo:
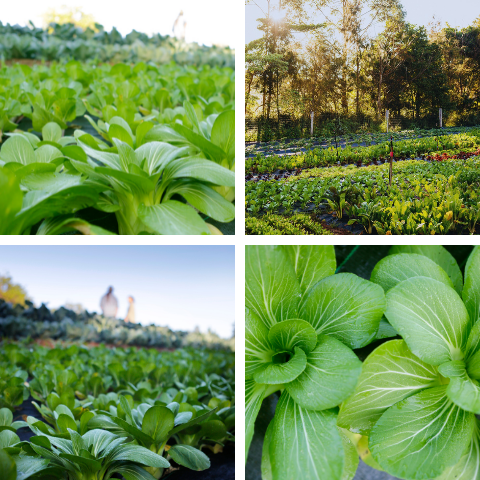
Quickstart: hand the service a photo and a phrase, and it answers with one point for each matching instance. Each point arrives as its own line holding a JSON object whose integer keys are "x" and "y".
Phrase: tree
{"x": 12, "y": 292}
{"x": 66, "y": 14}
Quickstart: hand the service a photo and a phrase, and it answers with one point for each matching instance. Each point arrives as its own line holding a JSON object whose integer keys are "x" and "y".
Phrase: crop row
{"x": 297, "y": 224}
{"x": 345, "y": 140}
{"x": 425, "y": 198}
{"x": 164, "y": 137}
{"x": 68, "y": 42}
{"x": 28, "y": 322}
{"x": 126, "y": 411}
{"x": 415, "y": 148}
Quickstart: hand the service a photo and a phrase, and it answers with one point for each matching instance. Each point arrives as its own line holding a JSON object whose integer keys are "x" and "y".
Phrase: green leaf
{"x": 312, "y": 263}
{"x": 209, "y": 149}
{"x": 351, "y": 455}
{"x": 17, "y": 149}
{"x": 254, "y": 395}
{"x": 172, "y": 218}
{"x": 223, "y": 133}
{"x": 138, "y": 454}
{"x": 346, "y": 307}
{"x": 157, "y": 422}
{"x": 271, "y": 288}
{"x": 287, "y": 335}
{"x": 65, "y": 422}
{"x": 389, "y": 374}
{"x": 258, "y": 349}
{"x": 430, "y": 317}
{"x": 200, "y": 169}
{"x": 157, "y": 155}
{"x": 51, "y": 132}
{"x": 8, "y": 438}
{"x": 117, "y": 131}
{"x": 206, "y": 200}
{"x": 28, "y": 466}
{"x": 462, "y": 390}
{"x": 385, "y": 330}
{"x": 133, "y": 472}
{"x": 468, "y": 467}
{"x": 440, "y": 255}
{"x": 10, "y": 203}
{"x": 393, "y": 269}
{"x": 189, "y": 457}
{"x": 421, "y": 436}
{"x": 305, "y": 444}
{"x": 471, "y": 289}
{"x": 278, "y": 373}
{"x": 8, "y": 469}
{"x": 266, "y": 462}
{"x": 6, "y": 417}
{"x": 329, "y": 378}
{"x": 198, "y": 419}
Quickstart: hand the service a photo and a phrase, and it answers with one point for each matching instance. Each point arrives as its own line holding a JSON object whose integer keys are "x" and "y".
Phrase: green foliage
{"x": 116, "y": 410}
{"x": 298, "y": 224}
{"x": 164, "y": 161}
{"x": 416, "y": 397}
{"x": 301, "y": 323}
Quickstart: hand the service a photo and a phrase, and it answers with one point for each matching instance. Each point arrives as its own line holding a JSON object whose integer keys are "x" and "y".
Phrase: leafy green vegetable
{"x": 301, "y": 323}
{"x": 416, "y": 397}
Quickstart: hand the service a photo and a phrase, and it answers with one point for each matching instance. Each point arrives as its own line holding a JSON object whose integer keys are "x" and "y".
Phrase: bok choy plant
{"x": 147, "y": 187}
{"x": 302, "y": 322}
{"x": 417, "y": 397}
{"x": 96, "y": 455}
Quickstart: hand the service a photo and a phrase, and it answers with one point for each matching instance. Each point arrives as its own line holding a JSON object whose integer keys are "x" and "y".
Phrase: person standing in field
{"x": 109, "y": 304}
{"x": 130, "y": 318}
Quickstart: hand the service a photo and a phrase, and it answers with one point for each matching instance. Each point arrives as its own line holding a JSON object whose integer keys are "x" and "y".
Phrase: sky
{"x": 458, "y": 13}
{"x": 206, "y": 20}
{"x": 176, "y": 286}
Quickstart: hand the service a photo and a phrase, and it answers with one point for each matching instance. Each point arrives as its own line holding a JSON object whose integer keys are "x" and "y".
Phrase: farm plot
{"x": 295, "y": 146}
{"x": 439, "y": 196}
{"x": 157, "y": 155}
{"x": 78, "y": 412}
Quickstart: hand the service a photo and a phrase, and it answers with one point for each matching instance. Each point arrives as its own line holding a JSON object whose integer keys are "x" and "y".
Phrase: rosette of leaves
{"x": 302, "y": 322}
{"x": 147, "y": 188}
{"x": 417, "y": 397}
{"x": 96, "y": 455}
{"x": 152, "y": 426}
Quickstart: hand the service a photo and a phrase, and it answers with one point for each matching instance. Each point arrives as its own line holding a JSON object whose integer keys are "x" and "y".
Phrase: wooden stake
{"x": 311, "y": 124}
{"x": 390, "y": 173}
{"x": 387, "y": 115}
{"x": 440, "y": 117}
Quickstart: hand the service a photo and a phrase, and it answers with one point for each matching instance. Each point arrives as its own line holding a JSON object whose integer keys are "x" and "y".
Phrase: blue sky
{"x": 459, "y": 13}
{"x": 177, "y": 286}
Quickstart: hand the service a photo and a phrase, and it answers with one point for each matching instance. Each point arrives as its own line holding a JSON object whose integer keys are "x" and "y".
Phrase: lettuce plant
{"x": 302, "y": 322}
{"x": 417, "y": 397}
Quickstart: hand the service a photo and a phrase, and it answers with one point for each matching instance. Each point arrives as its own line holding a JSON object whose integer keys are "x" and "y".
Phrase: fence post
{"x": 387, "y": 115}
{"x": 440, "y": 117}
{"x": 311, "y": 124}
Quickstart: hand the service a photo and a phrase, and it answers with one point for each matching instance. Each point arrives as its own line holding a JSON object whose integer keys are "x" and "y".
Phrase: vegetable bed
{"x": 104, "y": 412}
{"x": 424, "y": 198}
{"x": 361, "y": 362}
{"x": 161, "y": 160}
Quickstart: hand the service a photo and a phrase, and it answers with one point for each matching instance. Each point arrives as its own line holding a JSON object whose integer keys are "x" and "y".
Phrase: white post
{"x": 440, "y": 116}
{"x": 387, "y": 114}
{"x": 311, "y": 124}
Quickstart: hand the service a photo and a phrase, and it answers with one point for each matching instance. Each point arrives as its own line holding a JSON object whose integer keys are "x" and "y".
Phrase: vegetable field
{"x": 425, "y": 184}
{"x": 361, "y": 358}
{"x": 72, "y": 412}
{"x": 122, "y": 148}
